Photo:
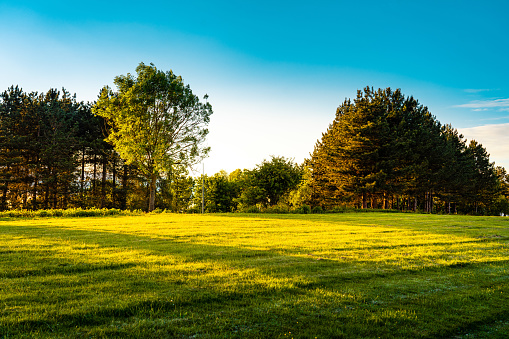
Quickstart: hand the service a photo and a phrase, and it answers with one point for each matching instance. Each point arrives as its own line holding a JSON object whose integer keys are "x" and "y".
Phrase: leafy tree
{"x": 301, "y": 195}
{"x": 175, "y": 191}
{"x": 221, "y": 193}
{"x": 270, "y": 181}
{"x": 156, "y": 122}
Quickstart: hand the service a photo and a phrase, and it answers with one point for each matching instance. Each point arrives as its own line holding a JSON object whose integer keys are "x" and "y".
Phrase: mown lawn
{"x": 365, "y": 275}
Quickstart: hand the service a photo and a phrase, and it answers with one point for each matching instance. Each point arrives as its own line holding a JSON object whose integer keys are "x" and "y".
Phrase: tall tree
{"x": 156, "y": 122}
{"x": 485, "y": 186}
{"x": 15, "y": 137}
{"x": 378, "y": 146}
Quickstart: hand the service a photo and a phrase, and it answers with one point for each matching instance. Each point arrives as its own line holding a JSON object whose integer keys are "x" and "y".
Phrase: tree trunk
{"x": 55, "y": 187}
{"x": 373, "y": 202}
{"x": 34, "y": 192}
{"x": 25, "y": 194}
{"x": 386, "y": 202}
{"x": 123, "y": 203}
{"x": 66, "y": 195}
{"x": 103, "y": 182}
{"x": 151, "y": 204}
{"x": 82, "y": 175}
{"x": 46, "y": 195}
{"x": 114, "y": 184}
{"x": 364, "y": 201}
{"x": 4, "y": 195}
{"x": 94, "y": 177}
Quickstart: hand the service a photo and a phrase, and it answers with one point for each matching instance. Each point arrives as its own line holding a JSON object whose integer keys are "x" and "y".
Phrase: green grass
{"x": 373, "y": 275}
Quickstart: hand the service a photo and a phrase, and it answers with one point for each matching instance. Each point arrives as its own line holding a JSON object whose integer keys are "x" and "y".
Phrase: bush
{"x": 71, "y": 213}
{"x": 252, "y": 209}
{"x": 317, "y": 210}
{"x": 304, "y": 209}
{"x": 278, "y": 209}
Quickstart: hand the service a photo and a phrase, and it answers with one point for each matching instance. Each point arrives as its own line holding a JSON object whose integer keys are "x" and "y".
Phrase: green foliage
{"x": 277, "y": 209}
{"x": 252, "y": 209}
{"x": 40, "y": 137}
{"x": 304, "y": 209}
{"x": 269, "y": 182}
{"x": 221, "y": 192}
{"x": 317, "y": 210}
{"x": 300, "y": 195}
{"x": 156, "y": 122}
{"x": 387, "y": 151}
{"x": 67, "y": 213}
{"x": 175, "y": 191}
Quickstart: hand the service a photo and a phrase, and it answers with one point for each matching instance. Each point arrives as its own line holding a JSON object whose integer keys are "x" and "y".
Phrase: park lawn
{"x": 365, "y": 275}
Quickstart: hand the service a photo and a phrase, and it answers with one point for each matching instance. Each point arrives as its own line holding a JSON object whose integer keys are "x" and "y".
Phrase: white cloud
{"x": 493, "y": 103}
{"x": 475, "y": 90}
{"x": 495, "y": 138}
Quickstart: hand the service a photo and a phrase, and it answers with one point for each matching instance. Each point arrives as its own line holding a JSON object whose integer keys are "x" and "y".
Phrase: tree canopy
{"x": 156, "y": 122}
{"x": 383, "y": 149}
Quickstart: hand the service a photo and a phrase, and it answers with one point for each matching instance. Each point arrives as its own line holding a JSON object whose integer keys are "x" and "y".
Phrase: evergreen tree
{"x": 484, "y": 184}
{"x": 381, "y": 147}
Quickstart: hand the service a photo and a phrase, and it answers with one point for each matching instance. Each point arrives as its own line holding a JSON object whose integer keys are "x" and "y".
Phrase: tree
{"x": 221, "y": 192}
{"x": 269, "y": 182}
{"x": 485, "y": 186}
{"x": 175, "y": 191}
{"x": 381, "y": 145}
{"x": 501, "y": 205}
{"x": 156, "y": 122}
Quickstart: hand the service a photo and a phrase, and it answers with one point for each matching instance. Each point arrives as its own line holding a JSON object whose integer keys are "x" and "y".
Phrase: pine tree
{"x": 379, "y": 146}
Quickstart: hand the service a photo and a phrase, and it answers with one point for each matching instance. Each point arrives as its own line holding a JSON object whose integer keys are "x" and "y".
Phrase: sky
{"x": 274, "y": 71}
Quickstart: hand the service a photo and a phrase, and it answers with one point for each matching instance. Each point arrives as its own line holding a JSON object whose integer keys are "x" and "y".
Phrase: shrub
{"x": 71, "y": 213}
{"x": 317, "y": 210}
{"x": 252, "y": 209}
{"x": 304, "y": 209}
{"x": 278, "y": 209}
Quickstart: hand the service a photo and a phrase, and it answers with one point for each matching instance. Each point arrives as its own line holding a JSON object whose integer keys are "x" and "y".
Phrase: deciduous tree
{"x": 157, "y": 122}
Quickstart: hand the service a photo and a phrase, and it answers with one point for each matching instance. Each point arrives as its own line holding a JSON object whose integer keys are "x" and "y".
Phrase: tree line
{"x": 53, "y": 154}
{"x": 382, "y": 151}
{"x": 385, "y": 150}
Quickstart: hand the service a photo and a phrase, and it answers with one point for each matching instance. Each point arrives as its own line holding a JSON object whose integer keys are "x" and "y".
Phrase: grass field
{"x": 366, "y": 275}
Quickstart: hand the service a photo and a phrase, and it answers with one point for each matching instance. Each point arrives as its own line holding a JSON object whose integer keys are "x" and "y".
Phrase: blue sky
{"x": 275, "y": 71}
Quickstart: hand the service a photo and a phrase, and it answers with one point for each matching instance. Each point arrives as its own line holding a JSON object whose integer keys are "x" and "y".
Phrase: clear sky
{"x": 275, "y": 71}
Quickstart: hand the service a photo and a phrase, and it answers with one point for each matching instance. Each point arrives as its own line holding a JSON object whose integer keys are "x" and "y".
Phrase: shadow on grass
{"x": 304, "y": 274}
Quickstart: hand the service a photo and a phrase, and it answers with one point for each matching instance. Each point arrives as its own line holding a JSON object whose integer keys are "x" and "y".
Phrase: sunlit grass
{"x": 169, "y": 275}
